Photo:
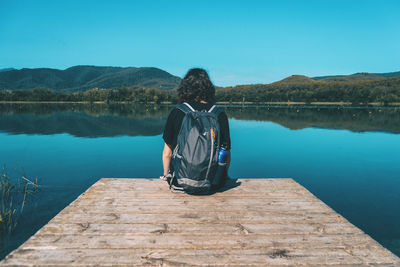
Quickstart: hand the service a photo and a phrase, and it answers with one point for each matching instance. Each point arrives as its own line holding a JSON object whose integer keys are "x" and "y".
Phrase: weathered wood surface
{"x": 263, "y": 222}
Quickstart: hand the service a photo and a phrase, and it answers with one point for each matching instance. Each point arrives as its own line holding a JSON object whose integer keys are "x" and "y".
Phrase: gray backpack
{"x": 195, "y": 157}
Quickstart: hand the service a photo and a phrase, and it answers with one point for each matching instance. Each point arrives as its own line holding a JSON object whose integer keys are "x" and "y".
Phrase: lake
{"x": 347, "y": 157}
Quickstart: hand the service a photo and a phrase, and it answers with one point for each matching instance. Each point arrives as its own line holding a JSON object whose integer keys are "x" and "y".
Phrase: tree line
{"x": 128, "y": 94}
{"x": 386, "y": 90}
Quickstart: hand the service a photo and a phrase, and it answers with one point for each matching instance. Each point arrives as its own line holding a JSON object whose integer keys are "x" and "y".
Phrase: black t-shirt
{"x": 175, "y": 119}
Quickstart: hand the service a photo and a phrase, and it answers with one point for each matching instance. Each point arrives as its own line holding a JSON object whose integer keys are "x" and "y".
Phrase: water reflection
{"x": 347, "y": 118}
{"x": 82, "y": 120}
{"x": 102, "y": 120}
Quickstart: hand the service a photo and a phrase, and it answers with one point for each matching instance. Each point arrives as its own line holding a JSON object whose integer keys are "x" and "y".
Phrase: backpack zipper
{"x": 211, "y": 156}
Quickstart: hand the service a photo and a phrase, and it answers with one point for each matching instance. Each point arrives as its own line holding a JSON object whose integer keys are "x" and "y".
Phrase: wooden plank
{"x": 190, "y": 242}
{"x": 169, "y": 202}
{"x": 112, "y": 187}
{"x": 178, "y": 258}
{"x": 171, "y": 257}
{"x": 154, "y": 208}
{"x": 157, "y": 195}
{"x": 215, "y": 217}
{"x": 196, "y": 229}
{"x": 125, "y": 222}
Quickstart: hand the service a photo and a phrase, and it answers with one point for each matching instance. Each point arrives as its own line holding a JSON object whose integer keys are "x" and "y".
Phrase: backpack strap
{"x": 185, "y": 107}
{"x": 215, "y": 109}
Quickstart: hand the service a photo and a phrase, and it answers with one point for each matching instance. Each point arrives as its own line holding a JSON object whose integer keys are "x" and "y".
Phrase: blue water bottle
{"x": 223, "y": 155}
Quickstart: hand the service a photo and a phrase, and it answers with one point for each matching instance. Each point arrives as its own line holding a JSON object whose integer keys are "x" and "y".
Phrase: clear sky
{"x": 238, "y": 42}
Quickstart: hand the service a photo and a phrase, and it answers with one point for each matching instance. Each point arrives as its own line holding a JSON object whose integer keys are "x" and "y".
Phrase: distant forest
{"x": 125, "y": 94}
{"x": 303, "y": 89}
{"x": 292, "y": 89}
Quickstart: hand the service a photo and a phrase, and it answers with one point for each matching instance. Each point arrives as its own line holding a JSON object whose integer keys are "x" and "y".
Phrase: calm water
{"x": 349, "y": 158}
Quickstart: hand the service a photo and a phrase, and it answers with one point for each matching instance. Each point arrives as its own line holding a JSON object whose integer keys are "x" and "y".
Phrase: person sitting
{"x": 198, "y": 92}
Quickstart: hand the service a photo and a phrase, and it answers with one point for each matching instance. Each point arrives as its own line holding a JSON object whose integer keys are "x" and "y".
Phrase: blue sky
{"x": 238, "y": 42}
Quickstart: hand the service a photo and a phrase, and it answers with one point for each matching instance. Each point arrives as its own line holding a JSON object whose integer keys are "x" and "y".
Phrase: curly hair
{"x": 196, "y": 86}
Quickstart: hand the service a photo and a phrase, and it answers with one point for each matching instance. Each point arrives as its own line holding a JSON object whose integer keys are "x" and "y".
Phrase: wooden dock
{"x": 261, "y": 222}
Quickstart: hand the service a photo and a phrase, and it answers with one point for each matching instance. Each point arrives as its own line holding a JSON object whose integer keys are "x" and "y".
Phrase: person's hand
{"x": 164, "y": 178}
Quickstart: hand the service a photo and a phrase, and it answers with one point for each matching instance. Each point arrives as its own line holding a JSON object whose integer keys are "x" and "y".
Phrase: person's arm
{"x": 225, "y": 140}
{"x": 166, "y": 158}
{"x": 168, "y": 136}
{"x": 225, "y": 137}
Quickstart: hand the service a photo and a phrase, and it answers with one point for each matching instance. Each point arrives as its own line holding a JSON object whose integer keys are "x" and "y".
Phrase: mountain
{"x": 360, "y": 76}
{"x": 389, "y": 74}
{"x": 81, "y": 78}
{"x": 6, "y": 69}
{"x": 295, "y": 79}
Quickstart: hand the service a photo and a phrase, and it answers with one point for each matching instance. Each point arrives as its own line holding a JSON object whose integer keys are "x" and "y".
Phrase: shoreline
{"x": 289, "y": 103}
{"x": 317, "y": 103}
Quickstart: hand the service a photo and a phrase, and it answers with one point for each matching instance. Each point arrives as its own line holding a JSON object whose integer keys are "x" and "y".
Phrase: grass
{"x": 14, "y": 196}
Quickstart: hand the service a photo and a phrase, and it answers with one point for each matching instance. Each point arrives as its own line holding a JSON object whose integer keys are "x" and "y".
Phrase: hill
{"x": 6, "y": 69}
{"x": 82, "y": 78}
{"x": 361, "y": 76}
{"x": 295, "y": 79}
{"x": 357, "y": 89}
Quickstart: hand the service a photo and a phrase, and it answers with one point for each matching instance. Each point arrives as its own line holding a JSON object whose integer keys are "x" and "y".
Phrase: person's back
{"x": 197, "y": 91}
